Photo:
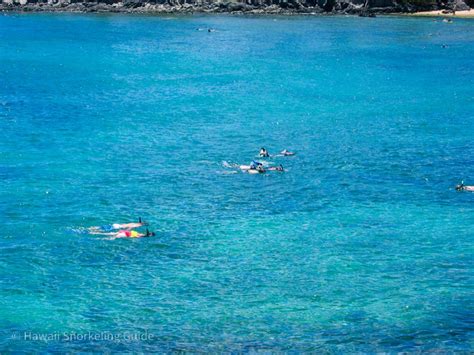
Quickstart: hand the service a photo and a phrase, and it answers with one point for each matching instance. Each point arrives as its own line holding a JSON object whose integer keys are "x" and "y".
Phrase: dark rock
{"x": 459, "y": 5}
{"x": 363, "y": 8}
{"x": 132, "y": 4}
{"x": 234, "y": 6}
{"x": 470, "y": 3}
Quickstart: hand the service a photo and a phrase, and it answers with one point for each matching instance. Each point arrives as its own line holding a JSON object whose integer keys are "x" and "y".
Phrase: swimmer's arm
{"x": 128, "y": 228}
{"x": 133, "y": 225}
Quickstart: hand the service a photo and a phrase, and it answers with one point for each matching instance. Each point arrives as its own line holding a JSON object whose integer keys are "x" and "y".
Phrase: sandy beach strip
{"x": 439, "y": 13}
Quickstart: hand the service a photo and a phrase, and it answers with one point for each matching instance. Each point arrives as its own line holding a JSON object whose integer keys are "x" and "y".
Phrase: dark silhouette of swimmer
{"x": 264, "y": 153}
{"x": 462, "y": 187}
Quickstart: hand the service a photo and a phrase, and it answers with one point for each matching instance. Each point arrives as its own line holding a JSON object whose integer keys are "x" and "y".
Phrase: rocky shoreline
{"x": 285, "y": 7}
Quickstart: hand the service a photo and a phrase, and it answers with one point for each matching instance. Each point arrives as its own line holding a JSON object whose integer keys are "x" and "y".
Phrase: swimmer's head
{"x": 149, "y": 234}
{"x": 459, "y": 187}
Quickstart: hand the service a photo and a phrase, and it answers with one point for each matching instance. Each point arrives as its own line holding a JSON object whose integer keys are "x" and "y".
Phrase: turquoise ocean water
{"x": 362, "y": 245}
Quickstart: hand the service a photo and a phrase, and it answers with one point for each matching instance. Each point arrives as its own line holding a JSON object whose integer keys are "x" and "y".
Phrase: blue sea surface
{"x": 361, "y": 245}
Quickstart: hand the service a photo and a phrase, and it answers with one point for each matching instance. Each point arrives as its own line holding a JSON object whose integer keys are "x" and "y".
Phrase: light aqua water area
{"x": 361, "y": 245}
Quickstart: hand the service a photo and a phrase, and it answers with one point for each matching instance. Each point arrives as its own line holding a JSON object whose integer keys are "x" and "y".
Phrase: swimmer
{"x": 462, "y": 187}
{"x": 263, "y": 153}
{"x": 253, "y": 166}
{"x": 276, "y": 168}
{"x": 259, "y": 169}
{"x": 126, "y": 234}
{"x": 116, "y": 226}
{"x": 286, "y": 153}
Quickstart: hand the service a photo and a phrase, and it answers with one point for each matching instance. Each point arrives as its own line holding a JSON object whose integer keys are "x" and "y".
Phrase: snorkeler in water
{"x": 125, "y": 233}
{"x": 252, "y": 166}
{"x": 462, "y": 187}
{"x": 276, "y": 168}
{"x": 116, "y": 226}
{"x": 263, "y": 153}
{"x": 286, "y": 153}
{"x": 257, "y": 169}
